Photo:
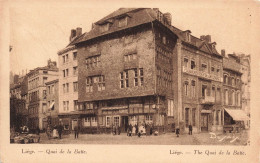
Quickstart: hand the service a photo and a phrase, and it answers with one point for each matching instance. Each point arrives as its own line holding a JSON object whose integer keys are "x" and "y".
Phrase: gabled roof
{"x": 138, "y": 16}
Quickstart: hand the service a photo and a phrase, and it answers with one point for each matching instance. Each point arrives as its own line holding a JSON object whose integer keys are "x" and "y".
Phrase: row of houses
{"x": 135, "y": 67}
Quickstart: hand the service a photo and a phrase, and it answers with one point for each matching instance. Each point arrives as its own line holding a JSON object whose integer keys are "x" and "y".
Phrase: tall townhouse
{"x": 245, "y": 61}
{"x": 52, "y": 100}
{"x": 232, "y": 94}
{"x": 200, "y": 83}
{"x": 125, "y": 71}
{"x": 68, "y": 83}
{"x": 37, "y": 107}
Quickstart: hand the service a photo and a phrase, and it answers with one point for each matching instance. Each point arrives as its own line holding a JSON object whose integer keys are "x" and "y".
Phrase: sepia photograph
{"x": 171, "y": 74}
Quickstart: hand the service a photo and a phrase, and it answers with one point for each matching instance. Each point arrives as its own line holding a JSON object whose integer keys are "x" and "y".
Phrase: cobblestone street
{"x": 164, "y": 139}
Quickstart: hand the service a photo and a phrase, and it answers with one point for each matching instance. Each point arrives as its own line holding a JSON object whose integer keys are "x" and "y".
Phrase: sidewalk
{"x": 163, "y": 139}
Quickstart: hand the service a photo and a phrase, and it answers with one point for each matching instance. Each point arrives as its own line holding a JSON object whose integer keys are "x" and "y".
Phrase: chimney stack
{"x": 72, "y": 34}
{"x": 78, "y": 31}
{"x": 223, "y": 52}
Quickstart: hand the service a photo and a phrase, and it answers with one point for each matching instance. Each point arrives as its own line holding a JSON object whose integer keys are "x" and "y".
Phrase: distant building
{"x": 245, "y": 61}
{"x": 232, "y": 91}
{"x": 37, "y": 107}
{"x": 52, "y": 99}
{"x": 68, "y": 83}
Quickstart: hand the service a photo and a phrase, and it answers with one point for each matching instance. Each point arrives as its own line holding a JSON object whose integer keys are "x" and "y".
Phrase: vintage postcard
{"x": 112, "y": 81}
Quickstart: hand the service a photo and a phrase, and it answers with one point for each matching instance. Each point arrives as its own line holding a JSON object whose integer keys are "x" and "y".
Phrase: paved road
{"x": 164, "y": 139}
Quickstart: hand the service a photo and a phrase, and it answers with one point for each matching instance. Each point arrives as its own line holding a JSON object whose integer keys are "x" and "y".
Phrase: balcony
{"x": 207, "y": 100}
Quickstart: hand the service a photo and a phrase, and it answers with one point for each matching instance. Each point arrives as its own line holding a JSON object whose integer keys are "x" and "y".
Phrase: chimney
{"x": 72, "y": 34}
{"x": 206, "y": 38}
{"x": 223, "y": 52}
{"x": 78, "y": 31}
{"x": 168, "y": 18}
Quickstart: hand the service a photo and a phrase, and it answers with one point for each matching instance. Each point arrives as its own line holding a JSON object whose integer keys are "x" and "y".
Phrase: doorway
{"x": 124, "y": 123}
{"x": 204, "y": 122}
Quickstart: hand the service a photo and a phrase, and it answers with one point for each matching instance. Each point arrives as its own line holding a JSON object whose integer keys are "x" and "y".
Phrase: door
{"x": 124, "y": 123}
{"x": 204, "y": 122}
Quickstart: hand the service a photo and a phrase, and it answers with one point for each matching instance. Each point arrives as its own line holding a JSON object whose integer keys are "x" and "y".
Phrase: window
{"x": 89, "y": 84}
{"x": 213, "y": 93}
{"x": 226, "y": 96}
{"x": 233, "y": 98}
{"x": 130, "y": 57}
{"x": 75, "y": 55}
{"x": 212, "y": 69}
{"x": 67, "y": 85}
{"x": 101, "y": 83}
{"x": 67, "y": 105}
{"x": 44, "y": 94}
{"x": 238, "y": 99}
{"x": 193, "y": 88}
{"x": 126, "y": 79}
{"x": 192, "y": 65}
{"x": 93, "y": 121}
{"x": 186, "y": 62}
{"x": 67, "y": 72}
{"x": 233, "y": 81}
{"x": 64, "y": 88}
{"x": 141, "y": 74}
{"x": 193, "y": 116}
{"x": 121, "y": 80}
{"x": 218, "y": 95}
{"x": 148, "y": 119}
{"x": 75, "y": 71}
{"x": 164, "y": 40}
{"x": 204, "y": 90}
{"x": 92, "y": 62}
{"x": 122, "y": 22}
{"x": 238, "y": 82}
{"x": 64, "y": 73}
{"x": 187, "y": 117}
{"x": 75, "y": 104}
{"x": 104, "y": 27}
{"x": 67, "y": 57}
{"x": 225, "y": 79}
{"x": 44, "y": 79}
{"x": 64, "y": 105}
{"x": 75, "y": 86}
{"x": 186, "y": 87}
{"x": 87, "y": 121}
{"x": 136, "y": 77}
{"x": 204, "y": 67}
{"x": 52, "y": 89}
{"x": 64, "y": 59}
{"x": 218, "y": 70}
{"x": 45, "y": 72}
{"x": 108, "y": 121}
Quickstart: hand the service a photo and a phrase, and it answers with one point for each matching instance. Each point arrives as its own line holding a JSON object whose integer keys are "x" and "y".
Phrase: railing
{"x": 202, "y": 74}
{"x": 207, "y": 100}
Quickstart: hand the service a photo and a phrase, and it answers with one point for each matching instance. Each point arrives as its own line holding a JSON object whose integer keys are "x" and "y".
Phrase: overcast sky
{"x": 38, "y": 30}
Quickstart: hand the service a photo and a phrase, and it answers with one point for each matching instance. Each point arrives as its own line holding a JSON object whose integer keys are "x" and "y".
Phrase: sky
{"x": 38, "y": 29}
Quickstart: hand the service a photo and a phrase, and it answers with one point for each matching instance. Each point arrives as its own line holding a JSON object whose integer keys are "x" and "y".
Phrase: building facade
{"x": 68, "y": 83}
{"x": 125, "y": 71}
{"x": 52, "y": 100}
{"x": 37, "y": 107}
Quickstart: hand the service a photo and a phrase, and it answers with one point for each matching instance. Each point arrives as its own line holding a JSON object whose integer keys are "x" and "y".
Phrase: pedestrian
{"x": 177, "y": 131}
{"x": 48, "y": 131}
{"x": 55, "y": 132}
{"x": 76, "y": 130}
{"x": 190, "y": 129}
{"x": 130, "y": 130}
{"x": 133, "y": 130}
{"x": 151, "y": 129}
{"x": 60, "y": 128}
{"x": 136, "y": 129}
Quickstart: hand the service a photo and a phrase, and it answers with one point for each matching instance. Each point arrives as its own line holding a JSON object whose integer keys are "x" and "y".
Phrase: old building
{"x": 37, "y": 93}
{"x": 199, "y": 78}
{"x": 125, "y": 71}
{"x": 232, "y": 102}
{"x": 68, "y": 83}
{"x": 245, "y": 61}
{"x": 18, "y": 103}
{"x": 52, "y": 99}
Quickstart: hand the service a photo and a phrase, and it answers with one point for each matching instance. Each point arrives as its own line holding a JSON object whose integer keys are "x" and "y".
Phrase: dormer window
{"x": 122, "y": 22}
{"x": 104, "y": 27}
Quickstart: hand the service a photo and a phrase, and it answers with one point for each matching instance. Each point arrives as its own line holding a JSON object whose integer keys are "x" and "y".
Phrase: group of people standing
{"x": 139, "y": 129}
{"x": 54, "y": 132}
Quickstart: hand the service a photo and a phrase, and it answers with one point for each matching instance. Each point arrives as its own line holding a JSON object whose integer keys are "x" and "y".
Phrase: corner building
{"x": 125, "y": 71}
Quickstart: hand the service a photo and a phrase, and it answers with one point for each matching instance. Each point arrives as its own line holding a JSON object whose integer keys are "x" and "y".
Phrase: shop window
{"x": 87, "y": 121}
{"x": 93, "y": 121}
{"x": 148, "y": 119}
{"x": 116, "y": 121}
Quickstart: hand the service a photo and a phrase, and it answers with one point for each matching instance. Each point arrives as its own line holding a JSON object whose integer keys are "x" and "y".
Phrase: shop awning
{"x": 237, "y": 114}
{"x": 51, "y": 106}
